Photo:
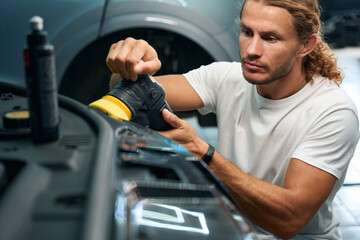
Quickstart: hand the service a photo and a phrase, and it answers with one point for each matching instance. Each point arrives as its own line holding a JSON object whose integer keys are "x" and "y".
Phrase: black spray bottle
{"x": 41, "y": 84}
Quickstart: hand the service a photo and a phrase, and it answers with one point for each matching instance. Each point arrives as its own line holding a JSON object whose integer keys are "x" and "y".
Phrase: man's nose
{"x": 255, "y": 47}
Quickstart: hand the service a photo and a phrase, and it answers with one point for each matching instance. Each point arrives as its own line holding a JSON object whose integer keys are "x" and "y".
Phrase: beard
{"x": 279, "y": 72}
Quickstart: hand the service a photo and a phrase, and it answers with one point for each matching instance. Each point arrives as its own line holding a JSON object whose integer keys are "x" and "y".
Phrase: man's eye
{"x": 270, "y": 38}
{"x": 247, "y": 33}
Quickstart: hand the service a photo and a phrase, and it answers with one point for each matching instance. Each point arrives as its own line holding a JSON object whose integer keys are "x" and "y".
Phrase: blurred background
{"x": 186, "y": 34}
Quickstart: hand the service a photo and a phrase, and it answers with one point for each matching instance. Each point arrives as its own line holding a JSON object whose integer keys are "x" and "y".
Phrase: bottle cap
{"x": 16, "y": 119}
{"x": 36, "y": 23}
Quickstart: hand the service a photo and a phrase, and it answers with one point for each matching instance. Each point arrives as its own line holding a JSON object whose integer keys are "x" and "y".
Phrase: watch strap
{"x": 209, "y": 154}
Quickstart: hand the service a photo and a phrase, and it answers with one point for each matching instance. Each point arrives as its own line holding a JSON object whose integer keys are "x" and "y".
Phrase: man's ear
{"x": 308, "y": 46}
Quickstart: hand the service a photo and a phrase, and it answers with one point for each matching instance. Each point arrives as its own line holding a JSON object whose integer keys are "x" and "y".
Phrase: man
{"x": 287, "y": 132}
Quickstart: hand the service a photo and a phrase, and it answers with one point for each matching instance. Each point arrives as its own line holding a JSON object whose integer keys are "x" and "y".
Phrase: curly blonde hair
{"x": 306, "y": 16}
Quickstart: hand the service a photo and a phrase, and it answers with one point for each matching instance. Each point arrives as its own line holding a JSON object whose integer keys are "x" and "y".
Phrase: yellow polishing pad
{"x": 113, "y": 106}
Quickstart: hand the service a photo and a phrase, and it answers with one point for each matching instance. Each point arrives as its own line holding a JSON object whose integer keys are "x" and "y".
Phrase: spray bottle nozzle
{"x": 36, "y": 23}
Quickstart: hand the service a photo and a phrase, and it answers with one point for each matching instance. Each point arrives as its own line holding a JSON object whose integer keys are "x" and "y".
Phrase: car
{"x": 185, "y": 33}
{"x": 100, "y": 178}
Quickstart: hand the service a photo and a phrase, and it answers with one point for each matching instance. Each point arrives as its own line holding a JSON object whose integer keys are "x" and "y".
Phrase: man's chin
{"x": 255, "y": 79}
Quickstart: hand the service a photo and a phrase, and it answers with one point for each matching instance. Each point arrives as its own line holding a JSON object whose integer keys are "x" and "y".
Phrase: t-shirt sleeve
{"x": 330, "y": 143}
{"x": 205, "y": 80}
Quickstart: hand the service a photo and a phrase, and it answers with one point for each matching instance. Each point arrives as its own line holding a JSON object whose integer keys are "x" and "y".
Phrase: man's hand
{"x": 131, "y": 57}
{"x": 184, "y": 134}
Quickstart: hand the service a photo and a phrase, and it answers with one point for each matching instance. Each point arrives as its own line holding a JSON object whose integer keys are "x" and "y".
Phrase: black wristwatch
{"x": 209, "y": 154}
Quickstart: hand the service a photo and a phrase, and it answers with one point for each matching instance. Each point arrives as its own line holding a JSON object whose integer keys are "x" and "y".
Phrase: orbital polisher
{"x": 128, "y": 100}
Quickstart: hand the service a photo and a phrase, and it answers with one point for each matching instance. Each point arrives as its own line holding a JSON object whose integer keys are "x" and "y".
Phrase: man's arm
{"x": 180, "y": 95}
{"x": 129, "y": 58}
{"x": 283, "y": 211}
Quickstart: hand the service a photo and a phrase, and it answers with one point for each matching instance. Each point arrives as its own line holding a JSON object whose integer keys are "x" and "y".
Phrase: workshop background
{"x": 185, "y": 33}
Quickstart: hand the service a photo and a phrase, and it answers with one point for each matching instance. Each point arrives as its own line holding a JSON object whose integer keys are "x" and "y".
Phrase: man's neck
{"x": 284, "y": 87}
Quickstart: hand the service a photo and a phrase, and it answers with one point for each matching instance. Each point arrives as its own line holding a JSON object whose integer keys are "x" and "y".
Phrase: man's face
{"x": 268, "y": 43}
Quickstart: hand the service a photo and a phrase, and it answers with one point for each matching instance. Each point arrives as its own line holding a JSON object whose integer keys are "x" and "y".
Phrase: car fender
{"x": 217, "y": 41}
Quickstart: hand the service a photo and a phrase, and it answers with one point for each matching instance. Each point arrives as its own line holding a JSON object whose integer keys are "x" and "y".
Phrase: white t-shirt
{"x": 318, "y": 125}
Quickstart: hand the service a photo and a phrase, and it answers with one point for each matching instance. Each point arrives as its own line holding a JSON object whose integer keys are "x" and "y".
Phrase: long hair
{"x": 306, "y": 16}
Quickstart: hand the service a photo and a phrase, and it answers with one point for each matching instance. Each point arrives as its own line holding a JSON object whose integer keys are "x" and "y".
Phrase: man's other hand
{"x": 184, "y": 134}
